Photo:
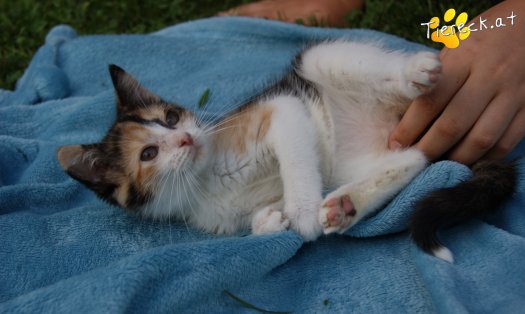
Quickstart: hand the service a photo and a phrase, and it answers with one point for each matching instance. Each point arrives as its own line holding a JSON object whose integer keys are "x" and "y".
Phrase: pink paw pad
{"x": 340, "y": 212}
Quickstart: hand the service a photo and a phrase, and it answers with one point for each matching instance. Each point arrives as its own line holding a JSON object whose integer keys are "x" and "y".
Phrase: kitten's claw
{"x": 422, "y": 73}
{"x": 337, "y": 214}
{"x": 269, "y": 220}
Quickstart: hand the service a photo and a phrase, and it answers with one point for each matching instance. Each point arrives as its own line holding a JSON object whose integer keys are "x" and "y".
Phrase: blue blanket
{"x": 64, "y": 251}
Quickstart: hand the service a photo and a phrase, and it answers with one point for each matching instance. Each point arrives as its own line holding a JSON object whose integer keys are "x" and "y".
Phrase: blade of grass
{"x": 250, "y": 306}
{"x": 204, "y": 98}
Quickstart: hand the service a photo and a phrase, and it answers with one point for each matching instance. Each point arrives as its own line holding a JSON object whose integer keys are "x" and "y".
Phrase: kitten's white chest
{"x": 238, "y": 184}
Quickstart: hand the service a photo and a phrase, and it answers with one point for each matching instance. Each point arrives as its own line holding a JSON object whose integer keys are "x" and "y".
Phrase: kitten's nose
{"x": 185, "y": 140}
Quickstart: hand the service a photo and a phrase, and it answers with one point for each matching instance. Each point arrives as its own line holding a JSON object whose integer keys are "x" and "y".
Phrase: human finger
{"x": 510, "y": 138}
{"x": 487, "y": 131}
{"x": 426, "y": 108}
{"x": 457, "y": 119}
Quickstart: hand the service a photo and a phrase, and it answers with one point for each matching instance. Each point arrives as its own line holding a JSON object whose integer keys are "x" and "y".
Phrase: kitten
{"x": 325, "y": 125}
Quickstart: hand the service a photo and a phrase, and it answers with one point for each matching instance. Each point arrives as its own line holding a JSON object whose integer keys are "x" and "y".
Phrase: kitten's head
{"x": 150, "y": 141}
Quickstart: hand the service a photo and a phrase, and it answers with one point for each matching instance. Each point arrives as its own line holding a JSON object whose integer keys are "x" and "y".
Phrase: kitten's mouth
{"x": 192, "y": 152}
{"x": 195, "y": 150}
{"x": 187, "y": 155}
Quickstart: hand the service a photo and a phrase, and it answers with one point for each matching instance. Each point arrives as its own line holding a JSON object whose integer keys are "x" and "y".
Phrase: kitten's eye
{"x": 149, "y": 153}
{"x": 172, "y": 117}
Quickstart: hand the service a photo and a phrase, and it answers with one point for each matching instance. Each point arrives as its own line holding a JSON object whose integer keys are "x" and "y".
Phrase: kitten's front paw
{"x": 308, "y": 226}
{"x": 422, "y": 73}
{"x": 269, "y": 220}
{"x": 337, "y": 213}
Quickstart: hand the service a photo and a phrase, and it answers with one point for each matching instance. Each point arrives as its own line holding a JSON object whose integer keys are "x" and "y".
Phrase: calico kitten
{"x": 325, "y": 125}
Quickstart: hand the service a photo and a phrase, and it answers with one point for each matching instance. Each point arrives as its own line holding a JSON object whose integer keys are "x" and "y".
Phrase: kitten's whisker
{"x": 208, "y": 121}
{"x": 187, "y": 194}
{"x": 227, "y": 117}
{"x": 162, "y": 181}
{"x": 170, "y": 206}
{"x": 227, "y": 120}
{"x": 222, "y": 129}
{"x": 181, "y": 205}
{"x": 222, "y": 107}
{"x": 205, "y": 118}
{"x": 197, "y": 185}
{"x": 153, "y": 208}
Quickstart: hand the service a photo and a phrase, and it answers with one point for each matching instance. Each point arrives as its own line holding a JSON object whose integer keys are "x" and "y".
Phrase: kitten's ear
{"x": 130, "y": 94}
{"x": 86, "y": 164}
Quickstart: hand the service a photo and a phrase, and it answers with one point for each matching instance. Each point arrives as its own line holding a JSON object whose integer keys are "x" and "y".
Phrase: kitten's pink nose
{"x": 185, "y": 140}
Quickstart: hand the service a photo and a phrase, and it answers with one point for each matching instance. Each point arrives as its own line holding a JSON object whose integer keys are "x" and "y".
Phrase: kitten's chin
{"x": 195, "y": 152}
{"x": 195, "y": 158}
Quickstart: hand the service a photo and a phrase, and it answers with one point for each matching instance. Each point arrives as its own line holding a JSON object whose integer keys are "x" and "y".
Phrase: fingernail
{"x": 395, "y": 145}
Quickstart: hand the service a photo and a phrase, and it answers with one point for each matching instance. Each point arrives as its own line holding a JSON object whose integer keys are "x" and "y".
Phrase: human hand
{"x": 310, "y": 12}
{"x": 477, "y": 109}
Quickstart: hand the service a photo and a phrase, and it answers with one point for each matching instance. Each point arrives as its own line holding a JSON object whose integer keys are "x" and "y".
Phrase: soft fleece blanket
{"x": 64, "y": 251}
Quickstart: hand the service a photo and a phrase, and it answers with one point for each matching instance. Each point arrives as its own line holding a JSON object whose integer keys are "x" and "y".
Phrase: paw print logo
{"x": 450, "y": 35}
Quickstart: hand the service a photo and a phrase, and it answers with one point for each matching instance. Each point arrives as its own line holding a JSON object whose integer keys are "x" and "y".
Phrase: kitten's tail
{"x": 493, "y": 183}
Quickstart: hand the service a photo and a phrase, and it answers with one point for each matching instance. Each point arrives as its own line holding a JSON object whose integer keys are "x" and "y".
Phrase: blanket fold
{"x": 63, "y": 250}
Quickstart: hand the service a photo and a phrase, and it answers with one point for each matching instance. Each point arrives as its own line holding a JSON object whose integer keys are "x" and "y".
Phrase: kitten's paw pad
{"x": 337, "y": 214}
{"x": 422, "y": 73}
{"x": 269, "y": 220}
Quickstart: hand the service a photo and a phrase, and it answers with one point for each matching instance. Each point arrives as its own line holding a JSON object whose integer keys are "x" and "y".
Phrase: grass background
{"x": 24, "y": 23}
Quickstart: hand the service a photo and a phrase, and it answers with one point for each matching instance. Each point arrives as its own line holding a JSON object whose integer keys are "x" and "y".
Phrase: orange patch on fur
{"x": 121, "y": 193}
{"x": 266, "y": 118}
{"x": 138, "y": 174}
{"x": 245, "y": 127}
{"x": 151, "y": 113}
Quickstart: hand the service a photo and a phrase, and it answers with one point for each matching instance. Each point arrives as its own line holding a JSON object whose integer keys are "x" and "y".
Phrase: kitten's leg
{"x": 386, "y": 176}
{"x": 367, "y": 69}
{"x": 293, "y": 138}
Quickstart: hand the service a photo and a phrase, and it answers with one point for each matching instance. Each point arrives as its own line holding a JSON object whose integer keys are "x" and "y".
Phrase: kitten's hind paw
{"x": 422, "y": 73}
{"x": 337, "y": 214}
{"x": 269, "y": 220}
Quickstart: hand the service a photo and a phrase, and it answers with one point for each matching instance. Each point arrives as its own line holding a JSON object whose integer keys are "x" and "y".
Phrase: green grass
{"x": 24, "y": 23}
{"x": 404, "y": 18}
